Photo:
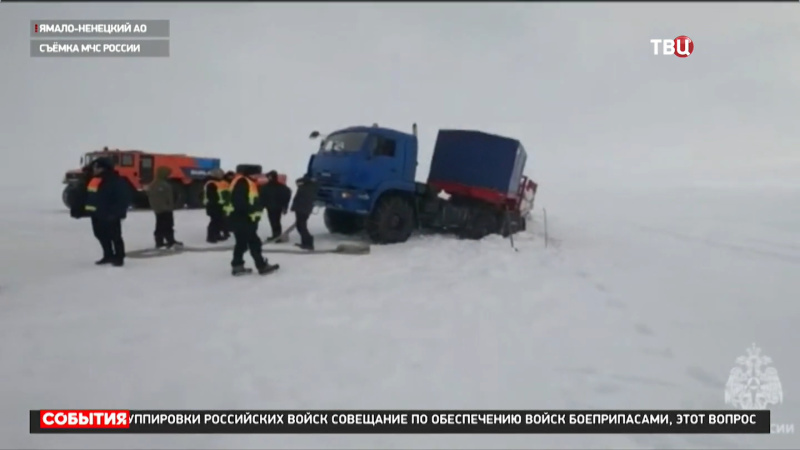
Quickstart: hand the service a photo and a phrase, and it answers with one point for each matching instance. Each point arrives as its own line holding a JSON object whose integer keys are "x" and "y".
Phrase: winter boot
{"x": 240, "y": 270}
{"x": 103, "y": 261}
{"x": 174, "y": 245}
{"x": 307, "y": 244}
{"x": 305, "y": 247}
{"x": 269, "y": 268}
{"x": 160, "y": 242}
{"x": 118, "y": 262}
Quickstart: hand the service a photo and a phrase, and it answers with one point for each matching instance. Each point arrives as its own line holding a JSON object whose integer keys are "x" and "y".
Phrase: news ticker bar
{"x": 99, "y": 28}
{"x": 399, "y": 422}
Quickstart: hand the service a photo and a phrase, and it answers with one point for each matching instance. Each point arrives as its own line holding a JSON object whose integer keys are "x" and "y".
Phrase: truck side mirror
{"x": 314, "y": 134}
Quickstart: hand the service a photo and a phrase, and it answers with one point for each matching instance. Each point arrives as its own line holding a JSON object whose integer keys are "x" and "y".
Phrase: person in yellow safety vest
{"x": 224, "y": 190}
{"x": 244, "y": 213}
{"x": 215, "y": 197}
{"x": 227, "y": 178}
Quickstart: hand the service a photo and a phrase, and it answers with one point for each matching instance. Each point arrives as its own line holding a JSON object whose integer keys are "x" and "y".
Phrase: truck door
{"x": 384, "y": 161}
{"x": 146, "y": 170}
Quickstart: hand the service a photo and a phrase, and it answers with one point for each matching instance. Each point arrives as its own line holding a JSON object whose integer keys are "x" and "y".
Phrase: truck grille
{"x": 330, "y": 179}
{"x": 70, "y": 177}
{"x": 325, "y": 195}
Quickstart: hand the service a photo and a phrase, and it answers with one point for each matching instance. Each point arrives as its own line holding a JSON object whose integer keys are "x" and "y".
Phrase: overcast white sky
{"x": 577, "y": 83}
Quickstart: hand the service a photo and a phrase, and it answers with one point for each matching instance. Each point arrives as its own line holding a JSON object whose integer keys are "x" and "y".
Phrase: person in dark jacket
{"x": 303, "y": 206}
{"x": 77, "y": 194}
{"x": 245, "y": 213}
{"x": 275, "y": 196}
{"x": 107, "y": 200}
{"x": 162, "y": 202}
{"x": 215, "y": 197}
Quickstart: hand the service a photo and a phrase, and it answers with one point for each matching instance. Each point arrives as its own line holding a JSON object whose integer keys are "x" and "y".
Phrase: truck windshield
{"x": 343, "y": 142}
{"x": 89, "y": 157}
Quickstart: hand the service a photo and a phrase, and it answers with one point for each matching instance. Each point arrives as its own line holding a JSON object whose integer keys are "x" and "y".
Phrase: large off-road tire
{"x": 67, "y": 195}
{"x": 343, "y": 222}
{"x": 392, "y": 221}
{"x": 484, "y": 224}
{"x": 178, "y": 194}
{"x": 194, "y": 197}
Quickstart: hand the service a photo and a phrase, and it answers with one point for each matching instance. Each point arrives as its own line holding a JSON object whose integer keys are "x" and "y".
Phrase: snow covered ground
{"x": 671, "y": 187}
{"x": 640, "y": 301}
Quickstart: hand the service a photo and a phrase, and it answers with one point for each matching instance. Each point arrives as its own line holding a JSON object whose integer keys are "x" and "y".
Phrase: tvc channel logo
{"x": 681, "y": 46}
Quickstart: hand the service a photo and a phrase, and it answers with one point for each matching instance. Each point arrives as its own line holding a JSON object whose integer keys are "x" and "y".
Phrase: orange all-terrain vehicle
{"x": 138, "y": 168}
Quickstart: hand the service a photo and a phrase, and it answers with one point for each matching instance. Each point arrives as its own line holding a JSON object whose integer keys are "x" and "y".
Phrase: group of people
{"x": 233, "y": 202}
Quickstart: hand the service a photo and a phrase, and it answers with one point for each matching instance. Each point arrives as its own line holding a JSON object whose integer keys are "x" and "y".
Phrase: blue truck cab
{"x": 366, "y": 179}
{"x": 354, "y": 167}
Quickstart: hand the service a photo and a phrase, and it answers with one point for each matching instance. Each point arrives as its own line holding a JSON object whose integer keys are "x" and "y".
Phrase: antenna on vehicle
{"x": 414, "y": 129}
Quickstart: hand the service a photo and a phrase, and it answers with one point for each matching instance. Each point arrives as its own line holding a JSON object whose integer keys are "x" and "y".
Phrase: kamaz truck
{"x": 367, "y": 182}
{"x": 138, "y": 169}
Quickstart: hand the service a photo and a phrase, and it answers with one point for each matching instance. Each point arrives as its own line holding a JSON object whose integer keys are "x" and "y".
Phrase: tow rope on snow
{"x": 352, "y": 248}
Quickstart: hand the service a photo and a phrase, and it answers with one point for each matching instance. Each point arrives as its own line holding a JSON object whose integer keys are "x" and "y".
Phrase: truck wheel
{"x": 342, "y": 222}
{"x": 195, "y": 195}
{"x": 66, "y": 195}
{"x": 391, "y": 222}
{"x": 178, "y": 194}
{"x": 481, "y": 226}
